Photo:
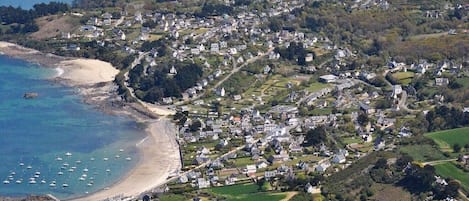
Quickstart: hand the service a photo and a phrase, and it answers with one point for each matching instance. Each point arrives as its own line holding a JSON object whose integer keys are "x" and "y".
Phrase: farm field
{"x": 450, "y": 170}
{"x": 423, "y": 153}
{"x": 246, "y": 192}
{"x": 447, "y": 138}
{"x": 403, "y": 77}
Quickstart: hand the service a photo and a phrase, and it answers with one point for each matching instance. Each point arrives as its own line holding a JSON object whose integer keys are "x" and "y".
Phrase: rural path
{"x": 438, "y": 161}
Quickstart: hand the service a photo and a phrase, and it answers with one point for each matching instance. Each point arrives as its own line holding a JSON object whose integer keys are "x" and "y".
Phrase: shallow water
{"x": 39, "y": 132}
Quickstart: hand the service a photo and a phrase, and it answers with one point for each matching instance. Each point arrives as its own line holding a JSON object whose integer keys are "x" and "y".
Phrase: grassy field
{"x": 403, "y": 77}
{"x": 423, "y": 153}
{"x": 464, "y": 82}
{"x": 247, "y": 192}
{"x": 447, "y": 138}
{"x": 316, "y": 86}
{"x": 388, "y": 192}
{"x": 450, "y": 170}
{"x": 172, "y": 197}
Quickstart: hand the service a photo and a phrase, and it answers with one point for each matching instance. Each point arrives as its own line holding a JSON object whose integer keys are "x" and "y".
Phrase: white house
{"x": 202, "y": 183}
{"x": 250, "y": 169}
{"x": 396, "y": 90}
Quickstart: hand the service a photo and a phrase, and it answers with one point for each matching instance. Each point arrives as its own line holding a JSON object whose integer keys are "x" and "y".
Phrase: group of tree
{"x": 294, "y": 52}
{"x": 22, "y": 21}
{"x": 92, "y": 4}
{"x": 443, "y": 117}
{"x": 156, "y": 83}
{"x": 212, "y": 9}
{"x": 316, "y": 137}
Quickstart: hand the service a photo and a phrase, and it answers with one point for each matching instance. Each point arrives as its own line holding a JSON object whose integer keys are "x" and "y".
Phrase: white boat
{"x": 117, "y": 156}
{"x": 43, "y": 181}
{"x": 85, "y": 170}
{"x": 59, "y": 159}
{"x": 52, "y": 185}
{"x": 78, "y": 162}
{"x": 29, "y": 167}
{"x": 84, "y": 175}
{"x": 64, "y": 185}
{"x": 37, "y": 173}
{"x": 92, "y": 159}
{"x": 105, "y": 159}
{"x": 73, "y": 167}
{"x": 65, "y": 164}
{"x": 6, "y": 182}
{"x": 68, "y": 154}
{"x": 128, "y": 158}
{"x": 71, "y": 170}
{"x": 13, "y": 173}
{"x": 60, "y": 173}
{"x": 121, "y": 150}
{"x": 19, "y": 181}
{"x": 36, "y": 176}
{"x": 108, "y": 170}
{"x": 32, "y": 182}
{"x": 21, "y": 164}
{"x": 81, "y": 179}
{"x": 89, "y": 184}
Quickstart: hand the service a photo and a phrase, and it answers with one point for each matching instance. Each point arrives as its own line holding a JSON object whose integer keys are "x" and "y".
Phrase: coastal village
{"x": 262, "y": 115}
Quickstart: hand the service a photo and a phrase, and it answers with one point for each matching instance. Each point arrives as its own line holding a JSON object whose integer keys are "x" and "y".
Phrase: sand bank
{"x": 160, "y": 158}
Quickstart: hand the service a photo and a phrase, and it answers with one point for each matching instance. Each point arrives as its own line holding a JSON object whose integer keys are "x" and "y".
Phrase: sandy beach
{"x": 87, "y": 71}
{"x": 160, "y": 158}
{"x": 93, "y": 78}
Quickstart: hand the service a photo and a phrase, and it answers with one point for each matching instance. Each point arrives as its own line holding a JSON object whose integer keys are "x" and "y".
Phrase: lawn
{"x": 450, "y": 170}
{"x": 447, "y": 138}
{"x": 247, "y": 192}
{"x": 172, "y": 197}
{"x": 242, "y": 162}
{"x": 316, "y": 86}
{"x": 404, "y": 77}
{"x": 423, "y": 153}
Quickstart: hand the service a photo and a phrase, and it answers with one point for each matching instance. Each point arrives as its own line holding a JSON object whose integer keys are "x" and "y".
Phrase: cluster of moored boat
{"x": 66, "y": 167}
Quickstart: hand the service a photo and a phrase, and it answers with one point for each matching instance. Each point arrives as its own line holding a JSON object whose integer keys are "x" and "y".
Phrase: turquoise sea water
{"x": 28, "y": 4}
{"x": 39, "y": 132}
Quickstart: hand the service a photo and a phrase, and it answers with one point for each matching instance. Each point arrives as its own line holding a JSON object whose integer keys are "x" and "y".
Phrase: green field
{"x": 403, "y": 77}
{"x": 450, "y": 170}
{"x": 247, "y": 192}
{"x": 172, "y": 197}
{"x": 423, "y": 152}
{"x": 447, "y": 138}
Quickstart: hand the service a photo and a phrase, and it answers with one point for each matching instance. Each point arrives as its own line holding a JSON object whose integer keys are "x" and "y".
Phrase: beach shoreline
{"x": 159, "y": 151}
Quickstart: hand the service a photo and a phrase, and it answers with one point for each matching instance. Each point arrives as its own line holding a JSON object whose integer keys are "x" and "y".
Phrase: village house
{"x": 202, "y": 183}
{"x": 441, "y": 81}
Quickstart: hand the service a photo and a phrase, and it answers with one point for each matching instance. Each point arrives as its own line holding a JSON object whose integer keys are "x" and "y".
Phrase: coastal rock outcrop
{"x": 30, "y": 95}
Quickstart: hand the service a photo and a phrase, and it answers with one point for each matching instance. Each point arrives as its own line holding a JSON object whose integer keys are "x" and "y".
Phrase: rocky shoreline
{"x": 160, "y": 148}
